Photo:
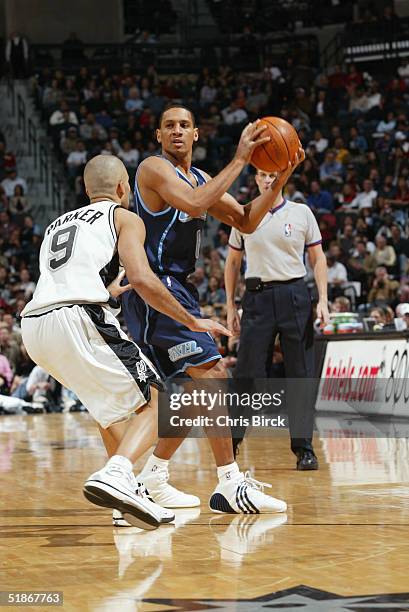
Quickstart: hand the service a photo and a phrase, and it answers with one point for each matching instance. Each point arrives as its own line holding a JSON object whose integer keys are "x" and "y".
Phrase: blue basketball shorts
{"x": 170, "y": 346}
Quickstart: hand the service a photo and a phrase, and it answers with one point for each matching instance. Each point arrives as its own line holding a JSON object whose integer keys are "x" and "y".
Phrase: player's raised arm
{"x": 247, "y": 218}
{"x": 159, "y": 177}
{"x": 131, "y": 238}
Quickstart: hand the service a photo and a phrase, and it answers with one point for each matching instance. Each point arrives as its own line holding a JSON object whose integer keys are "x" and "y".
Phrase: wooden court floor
{"x": 343, "y": 545}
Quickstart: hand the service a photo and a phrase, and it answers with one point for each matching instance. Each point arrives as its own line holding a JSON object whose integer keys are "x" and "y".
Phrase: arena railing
{"x": 173, "y": 58}
{"x": 333, "y": 52}
{"x": 36, "y": 149}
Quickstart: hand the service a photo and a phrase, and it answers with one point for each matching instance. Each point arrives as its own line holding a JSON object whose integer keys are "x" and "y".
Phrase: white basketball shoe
{"x": 114, "y": 487}
{"x": 119, "y": 519}
{"x": 238, "y": 493}
{"x": 161, "y": 492}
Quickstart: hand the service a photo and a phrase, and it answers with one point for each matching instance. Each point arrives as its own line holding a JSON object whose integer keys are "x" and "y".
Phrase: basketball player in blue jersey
{"x": 173, "y": 198}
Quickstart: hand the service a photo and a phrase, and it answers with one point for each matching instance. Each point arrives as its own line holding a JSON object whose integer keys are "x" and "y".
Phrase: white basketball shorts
{"x": 84, "y": 348}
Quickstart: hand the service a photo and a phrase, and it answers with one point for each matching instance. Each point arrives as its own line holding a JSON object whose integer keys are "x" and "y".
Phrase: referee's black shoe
{"x": 306, "y": 460}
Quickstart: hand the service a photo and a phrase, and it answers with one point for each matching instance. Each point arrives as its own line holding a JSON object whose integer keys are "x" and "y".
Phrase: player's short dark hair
{"x": 169, "y": 106}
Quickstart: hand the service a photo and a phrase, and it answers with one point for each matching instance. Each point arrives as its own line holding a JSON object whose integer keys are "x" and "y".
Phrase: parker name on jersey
{"x": 77, "y": 249}
{"x": 78, "y": 215}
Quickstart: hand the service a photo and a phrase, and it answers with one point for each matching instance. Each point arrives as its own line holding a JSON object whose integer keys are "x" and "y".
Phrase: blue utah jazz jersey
{"x": 172, "y": 237}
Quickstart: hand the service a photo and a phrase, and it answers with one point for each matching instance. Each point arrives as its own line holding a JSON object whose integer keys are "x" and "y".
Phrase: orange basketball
{"x": 284, "y": 143}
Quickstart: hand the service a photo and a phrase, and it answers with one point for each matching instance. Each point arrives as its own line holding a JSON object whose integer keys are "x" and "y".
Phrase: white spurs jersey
{"x": 78, "y": 258}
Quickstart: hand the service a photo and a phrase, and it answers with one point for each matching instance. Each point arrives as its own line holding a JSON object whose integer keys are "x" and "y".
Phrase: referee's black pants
{"x": 283, "y": 309}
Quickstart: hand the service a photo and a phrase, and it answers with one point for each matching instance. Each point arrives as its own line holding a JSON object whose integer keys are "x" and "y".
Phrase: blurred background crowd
{"x": 352, "y": 122}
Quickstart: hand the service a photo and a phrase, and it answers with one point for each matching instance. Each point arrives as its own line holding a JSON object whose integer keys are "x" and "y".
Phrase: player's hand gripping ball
{"x": 273, "y": 156}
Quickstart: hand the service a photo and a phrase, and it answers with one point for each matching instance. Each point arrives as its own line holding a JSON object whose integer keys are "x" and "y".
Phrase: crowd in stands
{"x": 20, "y": 240}
{"x": 353, "y": 124}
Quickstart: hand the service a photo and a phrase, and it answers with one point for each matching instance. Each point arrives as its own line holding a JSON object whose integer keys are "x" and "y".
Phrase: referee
{"x": 277, "y": 301}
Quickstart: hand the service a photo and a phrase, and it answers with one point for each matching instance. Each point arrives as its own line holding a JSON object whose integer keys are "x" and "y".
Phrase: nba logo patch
{"x": 288, "y": 229}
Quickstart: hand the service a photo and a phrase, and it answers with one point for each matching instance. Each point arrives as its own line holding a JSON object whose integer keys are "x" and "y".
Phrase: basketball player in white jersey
{"x": 69, "y": 330}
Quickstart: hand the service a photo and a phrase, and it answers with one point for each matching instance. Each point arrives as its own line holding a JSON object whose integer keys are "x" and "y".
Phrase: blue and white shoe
{"x": 243, "y": 495}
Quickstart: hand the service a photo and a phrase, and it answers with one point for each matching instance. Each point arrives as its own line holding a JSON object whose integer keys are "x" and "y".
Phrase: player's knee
{"x": 212, "y": 369}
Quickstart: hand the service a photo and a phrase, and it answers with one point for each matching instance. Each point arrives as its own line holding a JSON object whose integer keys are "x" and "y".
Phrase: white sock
{"x": 153, "y": 464}
{"x": 228, "y": 471}
{"x": 124, "y": 462}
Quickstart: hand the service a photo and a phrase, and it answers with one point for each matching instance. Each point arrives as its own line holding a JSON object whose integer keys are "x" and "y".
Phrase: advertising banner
{"x": 366, "y": 377}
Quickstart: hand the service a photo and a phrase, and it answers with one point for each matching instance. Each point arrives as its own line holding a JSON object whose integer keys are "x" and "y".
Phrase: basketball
{"x": 284, "y": 143}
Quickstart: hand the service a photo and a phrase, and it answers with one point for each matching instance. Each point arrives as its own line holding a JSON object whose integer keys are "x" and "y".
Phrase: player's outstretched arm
{"x": 156, "y": 175}
{"x": 131, "y": 238}
{"x": 247, "y": 218}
